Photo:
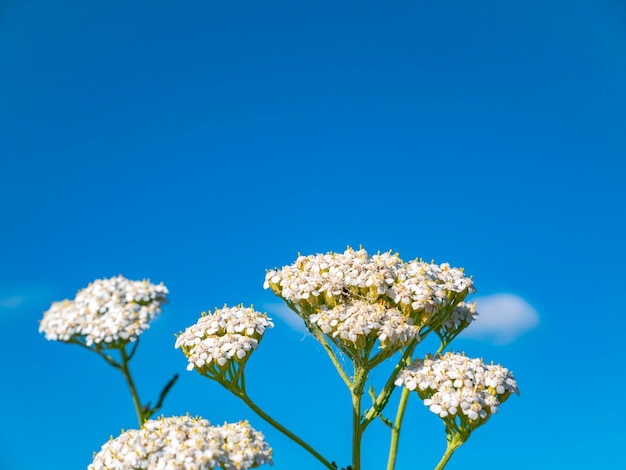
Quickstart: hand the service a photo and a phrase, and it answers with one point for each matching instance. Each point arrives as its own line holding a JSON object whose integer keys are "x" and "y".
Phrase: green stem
{"x": 318, "y": 334}
{"x": 442, "y": 346}
{"x": 133, "y": 349}
{"x": 141, "y": 416}
{"x": 122, "y": 367}
{"x": 333, "y": 358}
{"x": 389, "y": 387}
{"x": 164, "y": 392}
{"x": 254, "y": 407}
{"x": 143, "y": 413}
{"x": 358, "y": 426}
{"x": 357, "y": 433}
{"x": 395, "y": 430}
{"x": 453, "y": 444}
{"x": 112, "y": 362}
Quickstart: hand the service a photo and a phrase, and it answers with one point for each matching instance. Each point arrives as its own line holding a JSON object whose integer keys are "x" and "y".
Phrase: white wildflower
{"x": 360, "y": 321}
{"x": 418, "y": 289}
{"x": 455, "y": 386}
{"x": 217, "y": 339}
{"x": 186, "y": 443}
{"x": 462, "y": 315}
{"x": 107, "y": 311}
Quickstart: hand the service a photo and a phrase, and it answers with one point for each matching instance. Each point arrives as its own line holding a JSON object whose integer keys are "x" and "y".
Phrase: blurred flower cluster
{"x": 108, "y": 312}
{"x": 455, "y": 386}
{"x": 182, "y": 442}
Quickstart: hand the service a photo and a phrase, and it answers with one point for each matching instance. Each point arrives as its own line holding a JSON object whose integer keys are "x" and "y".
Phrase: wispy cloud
{"x": 11, "y": 302}
{"x": 16, "y": 301}
{"x": 502, "y": 318}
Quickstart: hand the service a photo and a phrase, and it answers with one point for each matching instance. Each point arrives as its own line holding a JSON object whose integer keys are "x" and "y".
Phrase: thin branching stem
{"x": 141, "y": 413}
{"x": 319, "y": 336}
{"x": 385, "y": 394}
{"x": 162, "y": 396}
{"x": 453, "y": 444}
{"x": 395, "y": 429}
{"x": 112, "y": 362}
{"x": 360, "y": 377}
{"x": 254, "y": 407}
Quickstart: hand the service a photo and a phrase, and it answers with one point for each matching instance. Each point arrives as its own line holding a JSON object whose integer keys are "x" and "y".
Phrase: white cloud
{"x": 24, "y": 299}
{"x": 287, "y": 316}
{"x": 11, "y": 302}
{"x": 502, "y": 318}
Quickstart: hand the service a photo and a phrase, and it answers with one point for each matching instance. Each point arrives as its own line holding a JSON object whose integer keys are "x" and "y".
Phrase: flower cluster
{"x": 351, "y": 296}
{"x": 182, "y": 442}
{"x": 358, "y": 322}
{"x": 109, "y": 311}
{"x": 216, "y": 340}
{"x": 462, "y": 315}
{"x": 455, "y": 386}
{"x": 331, "y": 279}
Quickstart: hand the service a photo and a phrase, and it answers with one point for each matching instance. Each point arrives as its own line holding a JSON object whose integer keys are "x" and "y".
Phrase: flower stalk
{"x": 110, "y": 314}
{"x": 358, "y": 426}
{"x": 453, "y": 444}
{"x": 395, "y": 430}
{"x": 282, "y": 429}
{"x": 139, "y": 409}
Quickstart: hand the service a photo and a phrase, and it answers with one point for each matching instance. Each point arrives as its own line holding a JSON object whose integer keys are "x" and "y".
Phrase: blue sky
{"x": 199, "y": 143}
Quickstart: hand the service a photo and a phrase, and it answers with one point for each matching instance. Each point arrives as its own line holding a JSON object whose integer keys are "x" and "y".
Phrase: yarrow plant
{"x": 365, "y": 310}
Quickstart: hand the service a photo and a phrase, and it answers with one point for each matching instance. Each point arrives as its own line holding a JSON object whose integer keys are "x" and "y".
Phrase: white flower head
{"x": 464, "y": 392}
{"x": 425, "y": 292}
{"x": 462, "y": 316}
{"x": 107, "y": 312}
{"x": 223, "y": 339}
{"x": 182, "y": 442}
{"x": 360, "y": 322}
